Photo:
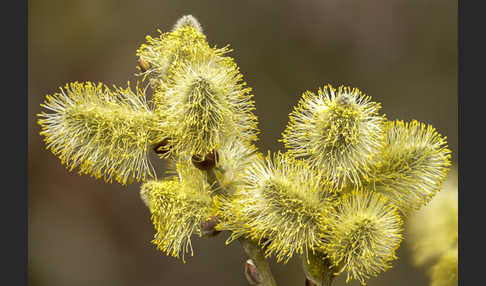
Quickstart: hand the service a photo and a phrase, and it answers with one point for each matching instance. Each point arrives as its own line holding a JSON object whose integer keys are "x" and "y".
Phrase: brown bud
{"x": 208, "y": 227}
{"x": 251, "y": 273}
{"x": 144, "y": 66}
{"x": 207, "y": 163}
{"x": 162, "y": 147}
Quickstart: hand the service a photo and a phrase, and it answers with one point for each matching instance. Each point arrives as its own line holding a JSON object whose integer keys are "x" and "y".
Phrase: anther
{"x": 144, "y": 66}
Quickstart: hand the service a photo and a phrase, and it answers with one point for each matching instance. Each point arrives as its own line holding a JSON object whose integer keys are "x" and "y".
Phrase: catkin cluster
{"x": 336, "y": 197}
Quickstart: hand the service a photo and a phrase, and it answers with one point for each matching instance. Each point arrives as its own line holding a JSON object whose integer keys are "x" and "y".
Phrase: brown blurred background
{"x": 85, "y": 232}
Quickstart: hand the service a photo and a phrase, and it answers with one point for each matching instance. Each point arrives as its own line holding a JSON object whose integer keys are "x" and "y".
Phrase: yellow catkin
{"x": 171, "y": 48}
{"x": 103, "y": 132}
{"x": 365, "y": 230}
{"x": 412, "y": 166}
{"x": 235, "y": 157}
{"x": 199, "y": 91}
{"x": 338, "y": 131}
{"x": 204, "y": 102}
{"x": 178, "y": 208}
{"x": 281, "y": 205}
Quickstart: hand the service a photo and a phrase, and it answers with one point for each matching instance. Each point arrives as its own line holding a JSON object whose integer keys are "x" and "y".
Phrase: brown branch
{"x": 257, "y": 269}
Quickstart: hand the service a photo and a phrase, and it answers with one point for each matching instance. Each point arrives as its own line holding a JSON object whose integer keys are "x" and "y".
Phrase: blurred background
{"x": 83, "y": 231}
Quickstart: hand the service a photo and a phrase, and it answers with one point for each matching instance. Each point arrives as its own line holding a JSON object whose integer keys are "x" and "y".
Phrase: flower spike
{"x": 204, "y": 102}
{"x": 178, "y": 208}
{"x": 338, "y": 131}
{"x": 281, "y": 205}
{"x": 105, "y": 133}
{"x": 412, "y": 166}
{"x": 365, "y": 231}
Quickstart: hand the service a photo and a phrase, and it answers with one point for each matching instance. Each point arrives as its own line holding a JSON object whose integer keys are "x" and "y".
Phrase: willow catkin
{"x": 105, "y": 133}
{"x": 281, "y": 205}
{"x": 365, "y": 230}
{"x": 412, "y": 166}
{"x": 338, "y": 131}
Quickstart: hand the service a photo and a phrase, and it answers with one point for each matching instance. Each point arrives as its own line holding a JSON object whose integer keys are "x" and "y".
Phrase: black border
{"x": 471, "y": 49}
{"x": 14, "y": 190}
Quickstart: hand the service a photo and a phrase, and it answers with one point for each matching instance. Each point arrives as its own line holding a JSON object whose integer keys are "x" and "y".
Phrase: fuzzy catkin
{"x": 105, "y": 133}
{"x": 281, "y": 205}
{"x": 160, "y": 54}
{"x": 204, "y": 102}
{"x": 365, "y": 231}
{"x": 412, "y": 165}
{"x": 178, "y": 209}
{"x": 338, "y": 130}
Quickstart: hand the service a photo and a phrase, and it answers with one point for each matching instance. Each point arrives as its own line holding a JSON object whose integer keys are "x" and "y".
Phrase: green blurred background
{"x": 85, "y": 232}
